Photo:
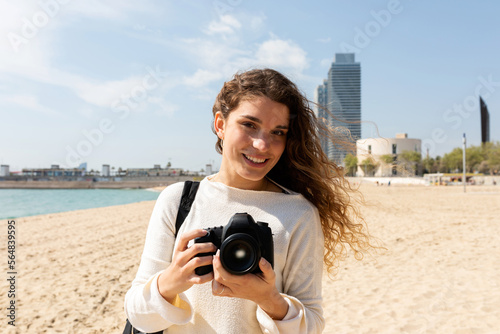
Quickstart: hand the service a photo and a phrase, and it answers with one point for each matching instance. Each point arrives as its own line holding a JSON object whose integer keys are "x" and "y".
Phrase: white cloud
{"x": 98, "y": 9}
{"x": 162, "y": 107}
{"x": 20, "y": 24}
{"x": 105, "y": 93}
{"x": 110, "y": 9}
{"x": 29, "y": 102}
{"x": 225, "y": 57}
{"x": 258, "y": 22}
{"x": 23, "y": 21}
{"x": 218, "y": 55}
{"x": 26, "y": 52}
{"x": 222, "y": 52}
{"x": 12, "y": 13}
{"x": 282, "y": 54}
{"x": 215, "y": 55}
{"x": 226, "y": 25}
{"x": 202, "y": 78}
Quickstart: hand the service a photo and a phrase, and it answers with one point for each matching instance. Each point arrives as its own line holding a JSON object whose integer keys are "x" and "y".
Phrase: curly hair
{"x": 303, "y": 166}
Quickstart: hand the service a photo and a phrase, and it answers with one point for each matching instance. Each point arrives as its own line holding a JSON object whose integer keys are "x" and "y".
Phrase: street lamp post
{"x": 464, "y": 165}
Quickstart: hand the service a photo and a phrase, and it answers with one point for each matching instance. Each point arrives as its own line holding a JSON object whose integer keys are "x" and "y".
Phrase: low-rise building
{"x": 155, "y": 171}
{"x": 388, "y": 156}
{"x": 53, "y": 171}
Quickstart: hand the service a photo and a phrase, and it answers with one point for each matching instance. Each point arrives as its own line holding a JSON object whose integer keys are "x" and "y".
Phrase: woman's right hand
{"x": 179, "y": 275}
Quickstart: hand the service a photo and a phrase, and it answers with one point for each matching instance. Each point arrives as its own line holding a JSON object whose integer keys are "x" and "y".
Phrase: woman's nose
{"x": 262, "y": 142}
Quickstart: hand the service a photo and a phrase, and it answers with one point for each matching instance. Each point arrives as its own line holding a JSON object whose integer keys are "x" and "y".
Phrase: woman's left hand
{"x": 259, "y": 288}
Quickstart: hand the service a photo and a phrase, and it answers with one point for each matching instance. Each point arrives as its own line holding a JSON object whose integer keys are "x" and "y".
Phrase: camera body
{"x": 242, "y": 242}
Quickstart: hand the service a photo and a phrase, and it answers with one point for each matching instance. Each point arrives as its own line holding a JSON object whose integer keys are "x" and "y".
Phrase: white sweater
{"x": 298, "y": 264}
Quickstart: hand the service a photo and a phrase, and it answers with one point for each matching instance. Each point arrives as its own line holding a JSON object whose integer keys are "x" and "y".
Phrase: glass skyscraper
{"x": 341, "y": 95}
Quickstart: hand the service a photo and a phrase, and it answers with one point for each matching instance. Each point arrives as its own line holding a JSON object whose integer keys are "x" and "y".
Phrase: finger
{"x": 198, "y": 255}
{"x": 200, "y": 248}
{"x": 205, "y": 249}
{"x": 221, "y": 274}
{"x": 218, "y": 289}
{"x": 266, "y": 268}
{"x": 188, "y": 236}
{"x": 195, "y": 279}
{"x": 199, "y": 261}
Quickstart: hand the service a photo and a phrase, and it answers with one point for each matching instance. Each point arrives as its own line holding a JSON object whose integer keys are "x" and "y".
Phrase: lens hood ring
{"x": 240, "y": 254}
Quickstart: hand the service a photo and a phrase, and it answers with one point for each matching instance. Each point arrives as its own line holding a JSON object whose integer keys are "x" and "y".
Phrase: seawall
{"x": 124, "y": 184}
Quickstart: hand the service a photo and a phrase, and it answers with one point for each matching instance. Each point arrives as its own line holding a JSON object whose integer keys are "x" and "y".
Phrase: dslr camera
{"x": 242, "y": 242}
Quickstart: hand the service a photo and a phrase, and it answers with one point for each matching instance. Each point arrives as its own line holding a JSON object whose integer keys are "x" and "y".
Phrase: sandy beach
{"x": 439, "y": 274}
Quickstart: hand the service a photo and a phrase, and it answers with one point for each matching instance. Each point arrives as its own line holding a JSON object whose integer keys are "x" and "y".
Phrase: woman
{"x": 272, "y": 168}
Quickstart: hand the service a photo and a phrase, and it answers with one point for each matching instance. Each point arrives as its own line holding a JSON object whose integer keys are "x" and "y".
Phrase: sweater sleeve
{"x": 144, "y": 306}
{"x": 302, "y": 280}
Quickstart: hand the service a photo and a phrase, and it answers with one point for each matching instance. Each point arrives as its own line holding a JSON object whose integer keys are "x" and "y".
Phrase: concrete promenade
{"x": 90, "y": 184}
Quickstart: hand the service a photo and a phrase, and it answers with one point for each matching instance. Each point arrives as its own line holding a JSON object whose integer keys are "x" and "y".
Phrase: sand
{"x": 440, "y": 273}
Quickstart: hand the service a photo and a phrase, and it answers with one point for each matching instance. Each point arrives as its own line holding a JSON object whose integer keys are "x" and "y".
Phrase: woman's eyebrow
{"x": 257, "y": 120}
{"x": 252, "y": 118}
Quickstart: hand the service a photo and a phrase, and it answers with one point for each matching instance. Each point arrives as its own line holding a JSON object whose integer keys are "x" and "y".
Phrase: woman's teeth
{"x": 255, "y": 160}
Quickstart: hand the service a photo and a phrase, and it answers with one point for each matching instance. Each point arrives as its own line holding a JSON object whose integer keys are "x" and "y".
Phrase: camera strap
{"x": 187, "y": 199}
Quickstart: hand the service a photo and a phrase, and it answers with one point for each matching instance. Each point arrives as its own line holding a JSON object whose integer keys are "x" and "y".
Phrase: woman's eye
{"x": 249, "y": 125}
{"x": 279, "y": 133}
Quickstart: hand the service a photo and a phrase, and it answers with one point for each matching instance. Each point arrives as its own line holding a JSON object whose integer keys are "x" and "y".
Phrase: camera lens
{"x": 240, "y": 254}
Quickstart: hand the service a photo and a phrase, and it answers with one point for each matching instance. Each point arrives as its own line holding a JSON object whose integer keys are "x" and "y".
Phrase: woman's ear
{"x": 219, "y": 125}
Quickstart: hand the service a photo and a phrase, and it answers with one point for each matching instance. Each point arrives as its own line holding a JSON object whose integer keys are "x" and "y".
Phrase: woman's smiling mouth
{"x": 254, "y": 160}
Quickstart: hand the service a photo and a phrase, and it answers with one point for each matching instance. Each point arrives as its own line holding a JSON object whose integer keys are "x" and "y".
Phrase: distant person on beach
{"x": 274, "y": 170}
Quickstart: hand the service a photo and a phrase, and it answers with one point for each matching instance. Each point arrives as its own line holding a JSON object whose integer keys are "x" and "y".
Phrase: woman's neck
{"x": 240, "y": 183}
{"x": 261, "y": 185}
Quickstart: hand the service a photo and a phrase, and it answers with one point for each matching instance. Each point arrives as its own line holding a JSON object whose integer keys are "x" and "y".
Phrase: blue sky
{"x": 132, "y": 83}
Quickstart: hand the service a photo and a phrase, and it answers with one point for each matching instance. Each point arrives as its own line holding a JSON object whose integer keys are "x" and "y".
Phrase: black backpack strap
{"x": 129, "y": 329}
{"x": 187, "y": 199}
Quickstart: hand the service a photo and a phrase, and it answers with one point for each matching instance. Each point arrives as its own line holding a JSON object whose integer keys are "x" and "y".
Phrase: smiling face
{"x": 254, "y": 137}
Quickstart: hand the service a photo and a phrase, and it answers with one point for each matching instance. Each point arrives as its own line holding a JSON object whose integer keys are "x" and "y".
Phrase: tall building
{"x": 485, "y": 122}
{"x": 341, "y": 95}
{"x": 320, "y": 97}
